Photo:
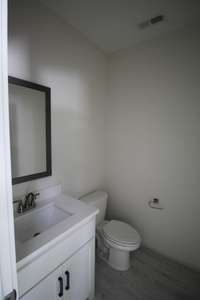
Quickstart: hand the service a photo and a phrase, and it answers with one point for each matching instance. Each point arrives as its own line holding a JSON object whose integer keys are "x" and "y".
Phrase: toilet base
{"x": 119, "y": 259}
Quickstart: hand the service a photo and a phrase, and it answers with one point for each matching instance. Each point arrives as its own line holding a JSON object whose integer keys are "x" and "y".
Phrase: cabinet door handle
{"x": 60, "y": 279}
{"x": 67, "y": 287}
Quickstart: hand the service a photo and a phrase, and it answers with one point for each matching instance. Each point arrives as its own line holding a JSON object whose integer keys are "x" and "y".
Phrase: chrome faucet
{"x": 28, "y": 203}
{"x": 30, "y": 200}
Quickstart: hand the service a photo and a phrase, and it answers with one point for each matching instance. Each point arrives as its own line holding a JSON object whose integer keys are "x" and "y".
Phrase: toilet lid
{"x": 121, "y": 232}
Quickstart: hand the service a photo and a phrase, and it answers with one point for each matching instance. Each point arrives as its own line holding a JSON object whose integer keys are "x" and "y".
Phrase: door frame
{"x": 8, "y": 273}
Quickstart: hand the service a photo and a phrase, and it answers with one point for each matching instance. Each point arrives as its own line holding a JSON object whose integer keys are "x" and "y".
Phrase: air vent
{"x": 152, "y": 21}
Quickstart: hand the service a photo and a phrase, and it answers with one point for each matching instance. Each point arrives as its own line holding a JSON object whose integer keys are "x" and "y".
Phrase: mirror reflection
{"x": 29, "y": 106}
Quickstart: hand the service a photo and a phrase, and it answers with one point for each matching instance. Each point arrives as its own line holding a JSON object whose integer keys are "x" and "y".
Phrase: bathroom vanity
{"x": 55, "y": 247}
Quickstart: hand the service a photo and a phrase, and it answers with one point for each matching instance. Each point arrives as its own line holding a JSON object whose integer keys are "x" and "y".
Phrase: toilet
{"x": 115, "y": 239}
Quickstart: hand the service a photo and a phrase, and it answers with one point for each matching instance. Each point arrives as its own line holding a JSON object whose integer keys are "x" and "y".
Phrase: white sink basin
{"x": 37, "y": 221}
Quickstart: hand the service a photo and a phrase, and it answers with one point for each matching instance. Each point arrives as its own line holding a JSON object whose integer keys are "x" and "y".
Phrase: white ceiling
{"x": 113, "y": 24}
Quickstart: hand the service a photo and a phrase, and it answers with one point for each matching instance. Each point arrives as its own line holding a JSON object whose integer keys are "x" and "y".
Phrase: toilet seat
{"x": 121, "y": 246}
{"x": 120, "y": 234}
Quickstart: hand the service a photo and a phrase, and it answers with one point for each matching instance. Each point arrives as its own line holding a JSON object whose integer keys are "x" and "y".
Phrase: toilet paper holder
{"x": 155, "y": 203}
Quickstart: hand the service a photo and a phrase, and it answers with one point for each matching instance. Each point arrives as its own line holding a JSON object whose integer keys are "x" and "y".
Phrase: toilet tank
{"x": 99, "y": 200}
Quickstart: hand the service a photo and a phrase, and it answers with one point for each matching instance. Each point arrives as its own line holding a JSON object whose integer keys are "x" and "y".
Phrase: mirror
{"x": 30, "y": 130}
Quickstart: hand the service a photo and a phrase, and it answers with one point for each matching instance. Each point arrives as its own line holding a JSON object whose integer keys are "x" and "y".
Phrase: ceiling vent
{"x": 152, "y": 21}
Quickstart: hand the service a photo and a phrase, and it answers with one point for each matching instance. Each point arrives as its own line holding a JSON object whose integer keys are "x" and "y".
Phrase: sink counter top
{"x": 70, "y": 213}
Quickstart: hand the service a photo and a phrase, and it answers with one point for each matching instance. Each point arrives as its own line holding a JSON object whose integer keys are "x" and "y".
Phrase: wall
{"x": 153, "y": 142}
{"x": 45, "y": 50}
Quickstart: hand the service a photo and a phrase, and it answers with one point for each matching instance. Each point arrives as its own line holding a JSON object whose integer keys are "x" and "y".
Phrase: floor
{"x": 151, "y": 276}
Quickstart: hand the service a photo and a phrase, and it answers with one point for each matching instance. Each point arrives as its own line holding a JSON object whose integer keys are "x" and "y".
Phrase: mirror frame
{"x": 47, "y": 91}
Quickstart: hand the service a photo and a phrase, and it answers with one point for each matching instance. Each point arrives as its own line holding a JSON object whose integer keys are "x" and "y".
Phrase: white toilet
{"x": 115, "y": 239}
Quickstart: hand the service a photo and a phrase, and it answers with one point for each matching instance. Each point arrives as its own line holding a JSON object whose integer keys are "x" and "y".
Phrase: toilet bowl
{"x": 120, "y": 239}
{"x": 115, "y": 239}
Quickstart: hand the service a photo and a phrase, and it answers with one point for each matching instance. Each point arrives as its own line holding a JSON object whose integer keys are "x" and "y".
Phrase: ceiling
{"x": 113, "y": 24}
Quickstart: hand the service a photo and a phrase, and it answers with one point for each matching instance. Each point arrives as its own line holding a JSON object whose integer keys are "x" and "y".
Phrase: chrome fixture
{"x": 20, "y": 205}
{"x": 28, "y": 203}
{"x": 155, "y": 203}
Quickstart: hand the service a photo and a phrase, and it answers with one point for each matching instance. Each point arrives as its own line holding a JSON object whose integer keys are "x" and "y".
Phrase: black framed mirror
{"x": 30, "y": 130}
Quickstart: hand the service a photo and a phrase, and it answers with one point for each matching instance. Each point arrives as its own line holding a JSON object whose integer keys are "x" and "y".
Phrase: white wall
{"x": 153, "y": 142}
{"x": 45, "y": 50}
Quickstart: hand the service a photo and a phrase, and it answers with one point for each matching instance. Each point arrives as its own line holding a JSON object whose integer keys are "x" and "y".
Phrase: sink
{"x": 33, "y": 223}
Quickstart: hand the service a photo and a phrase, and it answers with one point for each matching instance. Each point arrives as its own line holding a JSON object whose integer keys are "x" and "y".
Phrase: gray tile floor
{"x": 151, "y": 276}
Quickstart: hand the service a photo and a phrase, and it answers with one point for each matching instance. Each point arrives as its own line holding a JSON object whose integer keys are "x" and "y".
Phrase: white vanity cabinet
{"x": 77, "y": 275}
{"x": 58, "y": 263}
{"x": 70, "y": 281}
{"x": 45, "y": 289}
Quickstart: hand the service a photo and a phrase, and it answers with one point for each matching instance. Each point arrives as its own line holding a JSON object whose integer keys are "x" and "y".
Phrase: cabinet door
{"x": 50, "y": 288}
{"x": 77, "y": 275}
